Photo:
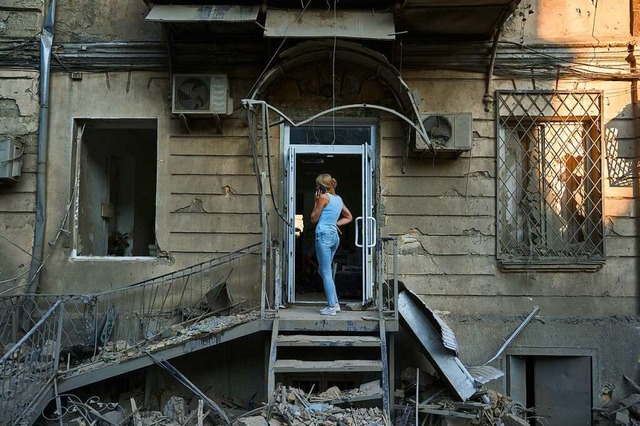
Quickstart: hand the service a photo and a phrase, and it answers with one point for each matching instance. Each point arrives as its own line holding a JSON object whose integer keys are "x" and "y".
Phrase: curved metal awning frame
{"x": 348, "y": 52}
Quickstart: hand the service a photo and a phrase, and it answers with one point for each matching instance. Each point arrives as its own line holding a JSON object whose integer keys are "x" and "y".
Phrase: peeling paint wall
{"x": 80, "y": 21}
{"x": 20, "y": 22}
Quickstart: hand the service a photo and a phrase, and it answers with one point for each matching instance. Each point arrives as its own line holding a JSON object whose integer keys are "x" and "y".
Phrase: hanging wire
{"x": 275, "y": 54}
{"x": 273, "y": 199}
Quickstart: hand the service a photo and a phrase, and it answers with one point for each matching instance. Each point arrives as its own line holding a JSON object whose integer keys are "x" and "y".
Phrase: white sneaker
{"x": 337, "y": 307}
{"x": 329, "y": 310}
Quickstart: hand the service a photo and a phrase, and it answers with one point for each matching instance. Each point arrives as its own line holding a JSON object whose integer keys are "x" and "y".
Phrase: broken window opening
{"x": 549, "y": 177}
{"x": 116, "y": 181}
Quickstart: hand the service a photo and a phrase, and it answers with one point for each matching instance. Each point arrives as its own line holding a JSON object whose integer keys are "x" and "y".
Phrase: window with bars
{"x": 549, "y": 183}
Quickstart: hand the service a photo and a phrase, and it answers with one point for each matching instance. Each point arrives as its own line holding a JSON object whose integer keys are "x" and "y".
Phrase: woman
{"x": 328, "y": 213}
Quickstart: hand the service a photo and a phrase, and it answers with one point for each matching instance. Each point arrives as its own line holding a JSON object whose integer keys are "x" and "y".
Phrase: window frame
{"x": 80, "y": 124}
{"x": 511, "y": 261}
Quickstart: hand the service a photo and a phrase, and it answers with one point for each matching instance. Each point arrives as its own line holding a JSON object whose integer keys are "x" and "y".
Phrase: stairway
{"x": 355, "y": 353}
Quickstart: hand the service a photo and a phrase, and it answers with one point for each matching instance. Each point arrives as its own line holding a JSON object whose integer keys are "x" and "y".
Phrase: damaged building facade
{"x": 489, "y": 151}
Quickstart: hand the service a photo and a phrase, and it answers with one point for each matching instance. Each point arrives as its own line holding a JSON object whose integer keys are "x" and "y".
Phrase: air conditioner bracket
{"x": 188, "y": 121}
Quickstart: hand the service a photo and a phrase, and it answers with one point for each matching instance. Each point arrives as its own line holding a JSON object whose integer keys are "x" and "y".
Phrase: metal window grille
{"x": 549, "y": 177}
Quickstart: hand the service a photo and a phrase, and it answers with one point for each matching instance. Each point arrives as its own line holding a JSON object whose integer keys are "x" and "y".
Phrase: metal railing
{"x": 387, "y": 255}
{"x": 29, "y": 368}
{"x": 74, "y": 328}
{"x": 129, "y": 315}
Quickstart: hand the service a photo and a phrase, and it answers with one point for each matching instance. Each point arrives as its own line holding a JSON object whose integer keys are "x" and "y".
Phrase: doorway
{"x": 557, "y": 388}
{"x": 346, "y": 153}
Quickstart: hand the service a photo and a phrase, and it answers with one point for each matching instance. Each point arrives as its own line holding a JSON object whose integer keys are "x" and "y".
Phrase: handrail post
{"x": 395, "y": 278}
{"x": 379, "y": 276}
{"x": 277, "y": 275}
{"x": 263, "y": 211}
{"x": 56, "y": 359}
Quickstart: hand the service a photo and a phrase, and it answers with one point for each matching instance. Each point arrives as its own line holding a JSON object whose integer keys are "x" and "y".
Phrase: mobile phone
{"x": 322, "y": 189}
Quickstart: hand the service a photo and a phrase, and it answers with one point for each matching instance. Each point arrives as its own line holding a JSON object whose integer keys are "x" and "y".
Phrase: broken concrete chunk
{"x": 355, "y": 306}
{"x": 370, "y": 388}
{"x": 175, "y": 409}
{"x": 632, "y": 402}
{"x": 622, "y": 418}
{"x": 115, "y": 417}
{"x": 509, "y": 419}
{"x": 274, "y": 422}
{"x": 252, "y": 421}
{"x": 332, "y": 392}
{"x": 456, "y": 421}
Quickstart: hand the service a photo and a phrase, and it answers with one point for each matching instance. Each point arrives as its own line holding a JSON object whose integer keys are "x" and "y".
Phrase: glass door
{"x": 308, "y": 153}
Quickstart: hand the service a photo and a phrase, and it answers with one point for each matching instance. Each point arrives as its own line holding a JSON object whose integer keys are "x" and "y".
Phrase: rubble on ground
{"x": 436, "y": 405}
{"x": 621, "y": 411}
{"x": 292, "y": 406}
{"x": 289, "y": 406}
{"x": 499, "y": 411}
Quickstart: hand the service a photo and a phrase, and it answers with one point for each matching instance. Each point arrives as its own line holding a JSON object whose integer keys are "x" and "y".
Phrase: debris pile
{"x": 501, "y": 410}
{"x": 436, "y": 404}
{"x": 621, "y": 412}
{"x": 294, "y": 407}
{"x": 84, "y": 358}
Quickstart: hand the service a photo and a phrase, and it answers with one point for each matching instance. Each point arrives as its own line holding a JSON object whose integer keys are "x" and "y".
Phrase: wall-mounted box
{"x": 198, "y": 94}
{"x": 10, "y": 161}
{"x": 451, "y": 134}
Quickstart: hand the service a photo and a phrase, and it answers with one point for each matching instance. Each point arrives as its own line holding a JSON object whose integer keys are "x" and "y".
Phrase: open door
{"x": 366, "y": 226}
{"x": 348, "y": 155}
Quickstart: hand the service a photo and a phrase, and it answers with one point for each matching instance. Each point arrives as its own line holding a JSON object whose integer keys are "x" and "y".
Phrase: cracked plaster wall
{"x": 80, "y": 21}
{"x": 19, "y": 106}
{"x": 20, "y": 22}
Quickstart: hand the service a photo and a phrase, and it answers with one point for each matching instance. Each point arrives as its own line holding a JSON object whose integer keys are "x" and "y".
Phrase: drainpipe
{"x": 46, "y": 41}
{"x": 631, "y": 59}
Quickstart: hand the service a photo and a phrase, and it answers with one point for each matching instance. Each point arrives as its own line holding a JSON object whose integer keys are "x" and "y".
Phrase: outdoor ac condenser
{"x": 10, "y": 161}
{"x": 200, "y": 94}
{"x": 450, "y": 133}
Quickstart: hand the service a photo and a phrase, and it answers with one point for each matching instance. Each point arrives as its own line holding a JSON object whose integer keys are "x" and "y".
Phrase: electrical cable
{"x": 273, "y": 200}
{"x": 275, "y": 54}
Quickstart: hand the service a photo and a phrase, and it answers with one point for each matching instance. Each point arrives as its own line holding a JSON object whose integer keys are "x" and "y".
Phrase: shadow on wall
{"x": 623, "y": 184}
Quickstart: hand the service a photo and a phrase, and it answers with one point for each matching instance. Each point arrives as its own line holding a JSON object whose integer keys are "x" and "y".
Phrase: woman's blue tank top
{"x": 330, "y": 215}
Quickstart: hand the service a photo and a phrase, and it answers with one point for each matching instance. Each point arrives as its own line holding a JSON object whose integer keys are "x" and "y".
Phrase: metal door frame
{"x": 369, "y": 232}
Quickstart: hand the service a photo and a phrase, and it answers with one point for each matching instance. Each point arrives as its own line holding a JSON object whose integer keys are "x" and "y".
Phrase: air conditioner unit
{"x": 201, "y": 94}
{"x": 10, "y": 161}
{"x": 451, "y": 134}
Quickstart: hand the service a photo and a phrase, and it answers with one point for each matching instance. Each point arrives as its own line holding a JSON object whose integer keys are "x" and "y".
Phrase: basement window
{"x": 549, "y": 177}
{"x": 116, "y": 188}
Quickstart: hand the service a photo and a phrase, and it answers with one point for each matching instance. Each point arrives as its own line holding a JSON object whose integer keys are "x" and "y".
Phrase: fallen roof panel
{"x": 416, "y": 318}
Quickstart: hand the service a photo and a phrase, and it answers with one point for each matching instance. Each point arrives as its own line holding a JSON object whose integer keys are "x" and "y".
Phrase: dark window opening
{"x": 116, "y": 180}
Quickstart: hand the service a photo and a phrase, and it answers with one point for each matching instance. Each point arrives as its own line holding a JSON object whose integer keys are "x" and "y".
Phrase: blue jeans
{"x": 326, "y": 246}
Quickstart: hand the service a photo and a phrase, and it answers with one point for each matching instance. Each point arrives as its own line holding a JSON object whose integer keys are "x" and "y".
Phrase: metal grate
{"x": 549, "y": 177}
